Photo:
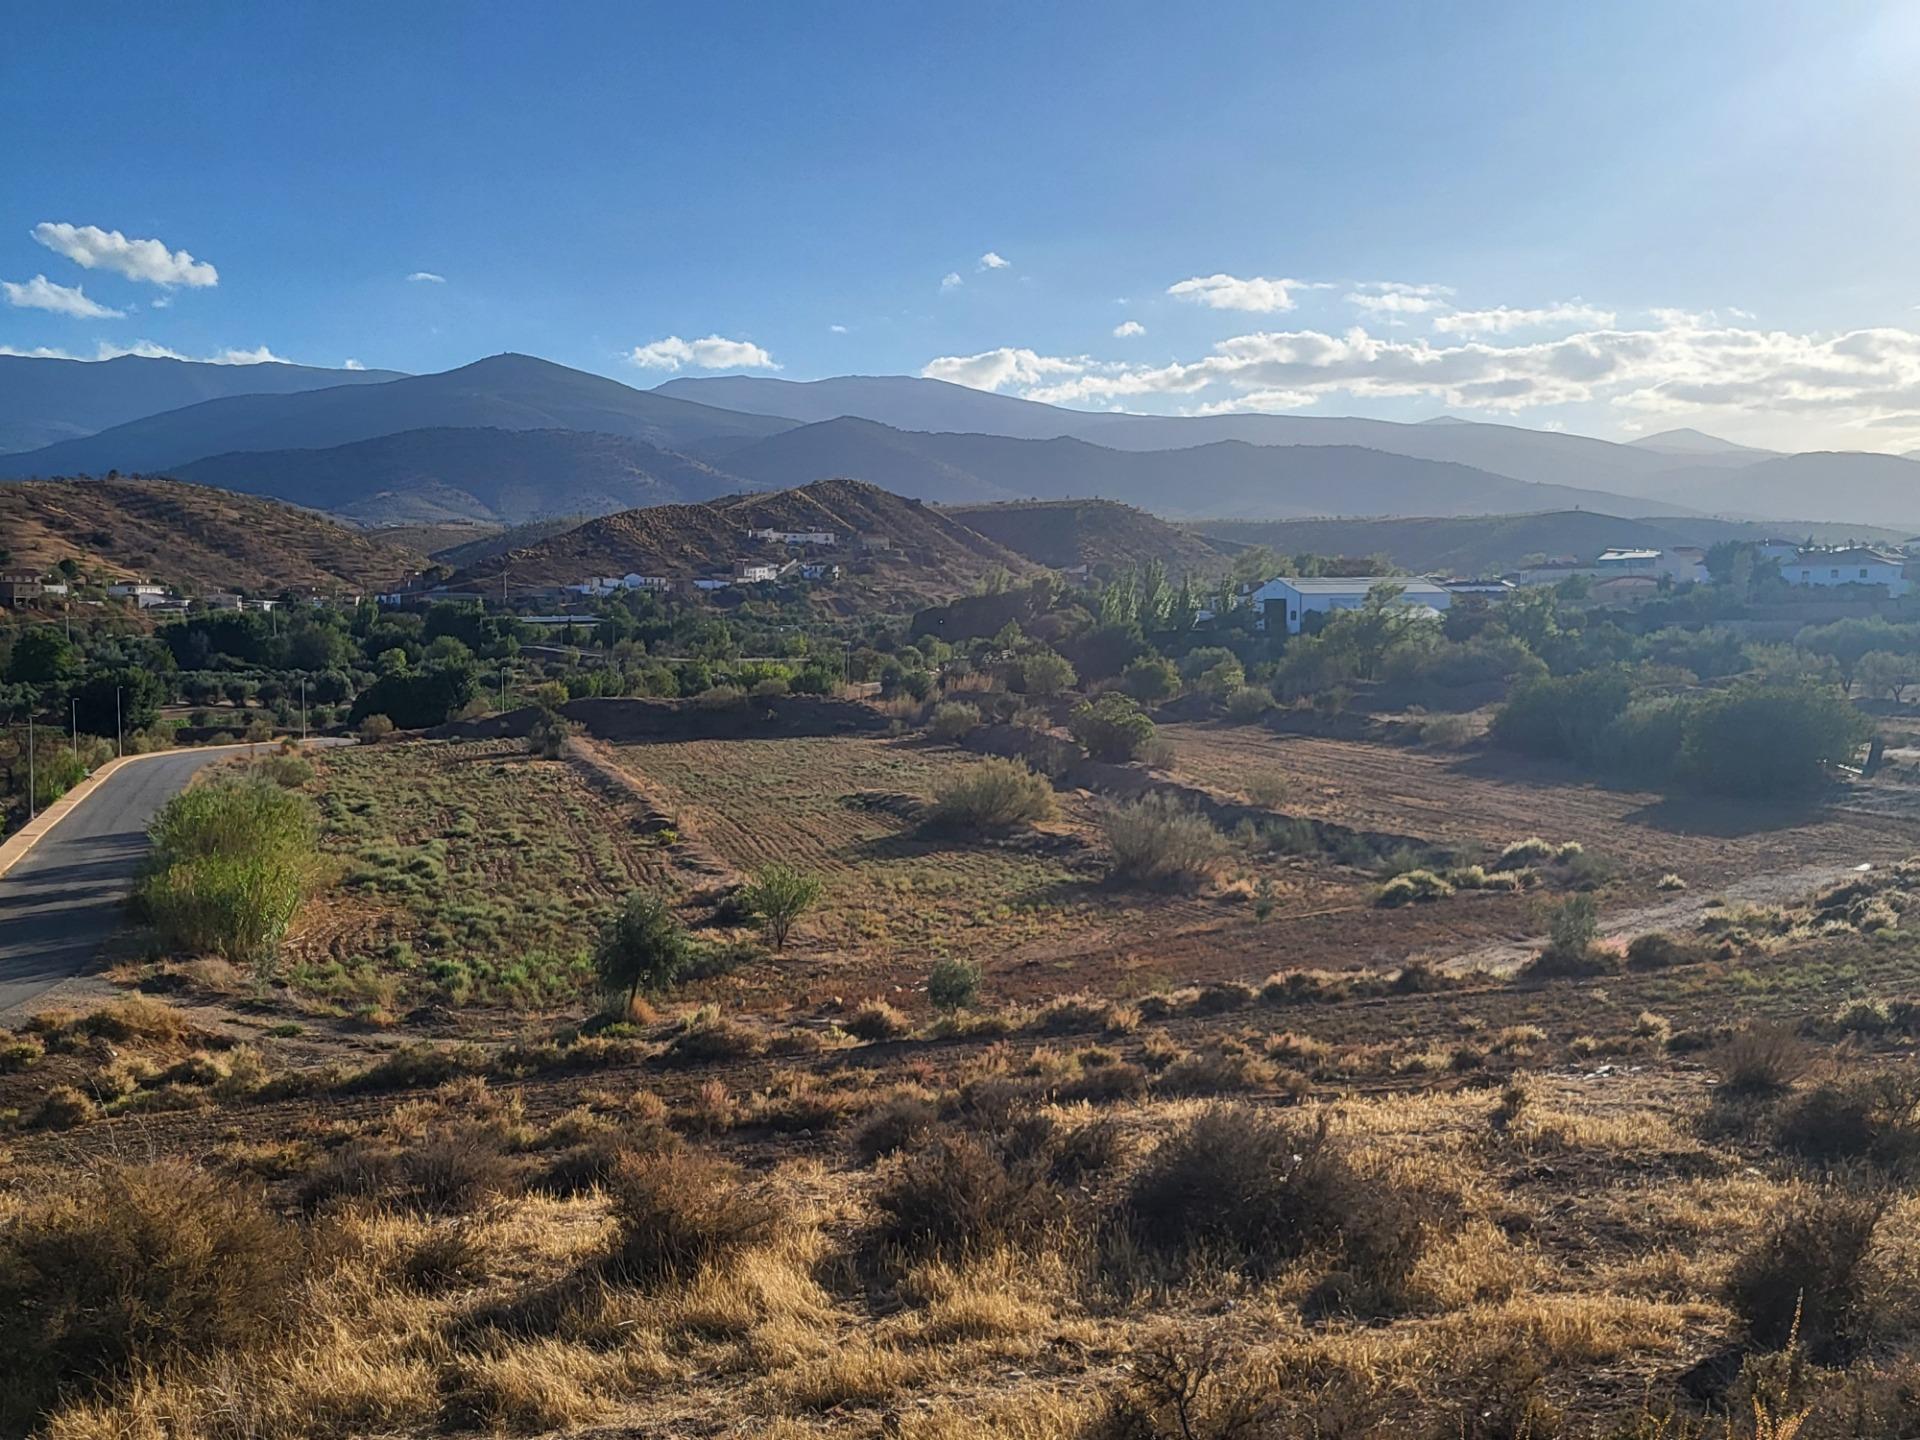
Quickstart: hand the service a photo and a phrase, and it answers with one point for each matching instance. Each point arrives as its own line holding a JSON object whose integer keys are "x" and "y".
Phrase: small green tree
{"x": 953, "y": 984}
{"x": 780, "y": 895}
{"x": 1574, "y": 927}
{"x": 1151, "y": 677}
{"x": 643, "y": 947}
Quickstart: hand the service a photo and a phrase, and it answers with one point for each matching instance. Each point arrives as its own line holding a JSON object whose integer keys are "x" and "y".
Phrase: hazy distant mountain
{"x": 902, "y": 401}
{"x": 44, "y": 401}
{"x": 506, "y": 392}
{"x": 1061, "y": 534}
{"x": 1227, "y": 478}
{"x": 1841, "y": 486}
{"x": 1688, "y": 441}
{"x": 1489, "y": 544}
{"x": 503, "y": 476}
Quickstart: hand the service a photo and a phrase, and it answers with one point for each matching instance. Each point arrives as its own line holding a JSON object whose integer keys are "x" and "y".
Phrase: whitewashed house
{"x": 1849, "y": 565}
{"x": 143, "y": 595}
{"x": 1287, "y": 600}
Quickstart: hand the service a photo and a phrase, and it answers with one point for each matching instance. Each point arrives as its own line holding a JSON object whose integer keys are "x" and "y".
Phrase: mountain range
{"x": 513, "y": 438}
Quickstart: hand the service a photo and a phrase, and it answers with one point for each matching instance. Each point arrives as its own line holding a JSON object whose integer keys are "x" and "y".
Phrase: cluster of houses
{"x": 742, "y": 572}
{"x": 20, "y": 590}
{"x": 1616, "y": 576}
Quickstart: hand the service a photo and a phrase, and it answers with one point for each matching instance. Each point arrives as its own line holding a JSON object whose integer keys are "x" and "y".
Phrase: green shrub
{"x": 992, "y": 795}
{"x": 229, "y": 865}
{"x": 953, "y": 721}
{"x": 778, "y": 896}
{"x": 373, "y": 729}
{"x": 1158, "y": 843}
{"x": 1760, "y": 740}
{"x": 1045, "y": 673}
{"x": 289, "y": 772}
{"x": 1150, "y": 678}
{"x": 548, "y": 736}
{"x": 721, "y": 697}
{"x": 1562, "y": 717}
{"x": 1248, "y": 704}
{"x": 1111, "y": 728}
{"x": 954, "y": 984}
{"x": 1522, "y": 853}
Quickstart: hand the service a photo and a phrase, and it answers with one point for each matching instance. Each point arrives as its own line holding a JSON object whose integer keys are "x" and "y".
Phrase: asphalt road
{"x": 60, "y": 904}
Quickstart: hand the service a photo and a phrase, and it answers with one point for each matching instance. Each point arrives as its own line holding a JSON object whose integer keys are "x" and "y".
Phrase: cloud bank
{"x": 713, "y": 353}
{"x": 92, "y": 248}
{"x": 41, "y": 293}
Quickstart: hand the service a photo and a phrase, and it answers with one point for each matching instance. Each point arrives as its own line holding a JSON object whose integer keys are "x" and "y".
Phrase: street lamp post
{"x": 303, "y": 709}
{"x": 119, "y": 730}
{"x": 33, "y": 808}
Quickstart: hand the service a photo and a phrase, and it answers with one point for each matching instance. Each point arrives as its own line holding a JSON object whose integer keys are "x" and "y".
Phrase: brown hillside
{"x": 1100, "y": 533}
{"x": 931, "y": 554}
{"x": 190, "y": 535}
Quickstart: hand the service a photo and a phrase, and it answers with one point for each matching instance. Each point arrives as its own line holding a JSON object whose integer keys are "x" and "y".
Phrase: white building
{"x": 1289, "y": 599}
{"x": 612, "y": 584}
{"x": 795, "y": 537}
{"x": 749, "y": 572}
{"x": 144, "y": 595}
{"x": 1850, "y": 565}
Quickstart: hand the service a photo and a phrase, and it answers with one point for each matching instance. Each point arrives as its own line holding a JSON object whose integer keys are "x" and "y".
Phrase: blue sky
{"x": 1613, "y": 218}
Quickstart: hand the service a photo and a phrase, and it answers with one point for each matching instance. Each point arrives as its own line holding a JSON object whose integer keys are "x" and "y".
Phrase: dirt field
{"x": 1488, "y": 800}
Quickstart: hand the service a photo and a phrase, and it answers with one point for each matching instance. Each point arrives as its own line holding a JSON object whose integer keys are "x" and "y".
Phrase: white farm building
{"x": 1287, "y": 600}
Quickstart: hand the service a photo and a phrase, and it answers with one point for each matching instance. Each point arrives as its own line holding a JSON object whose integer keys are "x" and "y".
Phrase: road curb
{"x": 19, "y": 845}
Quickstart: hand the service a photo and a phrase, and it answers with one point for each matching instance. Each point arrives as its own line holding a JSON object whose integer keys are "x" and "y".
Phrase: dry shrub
{"x": 877, "y": 1020}
{"x": 1193, "y": 1388}
{"x": 1219, "y": 1070}
{"x": 709, "y": 1036}
{"x": 678, "y": 1210}
{"x": 893, "y": 1125}
{"x": 1412, "y": 886}
{"x": 137, "y": 1018}
{"x": 1159, "y": 844}
{"x": 129, "y": 1267}
{"x": 1809, "y": 1272}
{"x": 1241, "y": 1184}
{"x": 1657, "y": 950}
{"x": 64, "y": 1107}
{"x": 450, "y": 1257}
{"x": 991, "y": 796}
{"x": 960, "y": 1194}
{"x": 448, "y": 1171}
{"x": 1865, "y": 1115}
{"x": 1761, "y": 1059}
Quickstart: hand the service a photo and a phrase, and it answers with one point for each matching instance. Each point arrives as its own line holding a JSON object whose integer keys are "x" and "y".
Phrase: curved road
{"x": 60, "y": 904}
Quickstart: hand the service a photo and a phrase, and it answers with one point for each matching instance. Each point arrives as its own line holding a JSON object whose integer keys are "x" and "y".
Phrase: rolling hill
{"x": 1061, "y": 534}
{"x": 505, "y": 392}
{"x": 1226, "y": 478}
{"x": 498, "y": 476}
{"x": 931, "y": 553}
{"x": 44, "y": 401}
{"x": 1846, "y": 486}
{"x": 1488, "y": 544}
{"x": 193, "y": 536}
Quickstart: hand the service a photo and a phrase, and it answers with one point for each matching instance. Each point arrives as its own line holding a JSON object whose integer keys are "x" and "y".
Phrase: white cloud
{"x": 39, "y": 352}
{"x": 1395, "y": 297}
{"x": 1680, "y": 364}
{"x": 951, "y": 280}
{"x": 427, "y": 277}
{"x": 1127, "y": 328}
{"x": 992, "y": 261}
{"x": 712, "y": 353}
{"x": 259, "y": 355}
{"x": 95, "y": 249}
{"x": 993, "y": 369}
{"x": 352, "y": 364}
{"x": 1504, "y": 321}
{"x": 41, "y": 293}
{"x": 838, "y": 329}
{"x": 1229, "y": 292}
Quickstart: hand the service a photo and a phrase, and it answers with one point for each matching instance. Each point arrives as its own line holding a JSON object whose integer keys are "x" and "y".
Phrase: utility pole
{"x": 503, "y": 686}
{"x": 33, "y": 808}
